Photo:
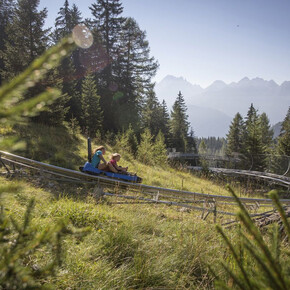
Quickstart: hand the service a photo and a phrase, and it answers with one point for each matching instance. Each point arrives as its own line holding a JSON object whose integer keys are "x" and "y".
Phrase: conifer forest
{"x": 107, "y": 89}
{"x": 194, "y": 212}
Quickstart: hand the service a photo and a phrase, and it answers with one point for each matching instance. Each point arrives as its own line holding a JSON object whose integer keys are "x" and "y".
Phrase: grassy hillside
{"x": 47, "y": 144}
{"x": 56, "y": 146}
{"x": 129, "y": 246}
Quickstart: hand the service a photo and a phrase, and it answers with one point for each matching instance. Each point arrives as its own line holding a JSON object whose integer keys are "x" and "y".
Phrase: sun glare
{"x": 82, "y": 36}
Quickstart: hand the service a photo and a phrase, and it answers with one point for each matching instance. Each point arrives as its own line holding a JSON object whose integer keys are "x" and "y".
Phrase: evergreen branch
{"x": 218, "y": 282}
{"x": 236, "y": 257}
{"x": 15, "y": 224}
{"x": 274, "y": 197}
{"x": 252, "y": 249}
{"x": 4, "y": 230}
{"x": 248, "y": 223}
{"x": 32, "y": 106}
{"x": 36, "y": 70}
{"x": 267, "y": 254}
{"x": 234, "y": 277}
{"x": 241, "y": 206}
{"x": 27, "y": 216}
{"x": 276, "y": 243}
{"x": 222, "y": 285}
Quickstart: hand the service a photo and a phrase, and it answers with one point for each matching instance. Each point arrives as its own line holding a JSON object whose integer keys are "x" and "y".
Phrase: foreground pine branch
{"x": 261, "y": 266}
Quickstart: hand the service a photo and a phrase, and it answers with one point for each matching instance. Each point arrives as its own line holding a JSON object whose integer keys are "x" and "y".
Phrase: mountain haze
{"x": 211, "y": 109}
{"x": 208, "y": 122}
{"x": 170, "y": 83}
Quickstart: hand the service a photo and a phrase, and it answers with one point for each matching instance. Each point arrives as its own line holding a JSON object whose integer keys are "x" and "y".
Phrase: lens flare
{"x": 82, "y": 36}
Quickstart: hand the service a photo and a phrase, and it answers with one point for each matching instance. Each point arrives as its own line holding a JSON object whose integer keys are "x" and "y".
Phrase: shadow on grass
{"x": 53, "y": 145}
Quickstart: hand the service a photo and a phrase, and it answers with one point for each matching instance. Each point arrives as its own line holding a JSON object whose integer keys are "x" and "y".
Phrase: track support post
{"x": 214, "y": 211}
{"x": 98, "y": 192}
{"x": 89, "y": 150}
{"x": 157, "y": 196}
{"x": 7, "y": 169}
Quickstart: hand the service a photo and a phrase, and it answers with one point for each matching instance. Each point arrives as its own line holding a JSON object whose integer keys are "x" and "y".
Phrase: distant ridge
{"x": 221, "y": 99}
{"x": 170, "y": 83}
{"x": 215, "y": 86}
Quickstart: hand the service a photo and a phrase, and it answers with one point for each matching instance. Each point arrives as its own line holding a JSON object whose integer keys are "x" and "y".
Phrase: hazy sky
{"x": 208, "y": 40}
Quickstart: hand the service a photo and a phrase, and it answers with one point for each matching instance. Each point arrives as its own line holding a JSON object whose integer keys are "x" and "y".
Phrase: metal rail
{"x": 117, "y": 184}
{"x": 181, "y": 204}
{"x": 172, "y": 203}
{"x": 278, "y": 179}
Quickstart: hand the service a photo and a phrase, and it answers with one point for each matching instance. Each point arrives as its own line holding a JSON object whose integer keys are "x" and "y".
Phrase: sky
{"x": 207, "y": 40}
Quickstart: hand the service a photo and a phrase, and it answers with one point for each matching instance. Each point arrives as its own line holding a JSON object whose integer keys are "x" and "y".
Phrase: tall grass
{"x": 257, "y": 263}
{"x": 144, "y": 246}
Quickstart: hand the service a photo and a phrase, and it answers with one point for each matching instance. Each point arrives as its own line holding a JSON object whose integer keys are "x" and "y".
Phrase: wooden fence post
{"x": 214, "y": 211}
{"x": 98, "y": 192}
{"x": 203, "y": 208}
{"x": 157, "y": 196}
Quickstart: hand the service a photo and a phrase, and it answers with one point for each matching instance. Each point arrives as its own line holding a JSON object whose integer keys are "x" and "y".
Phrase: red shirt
{"x": 113, "y": 162}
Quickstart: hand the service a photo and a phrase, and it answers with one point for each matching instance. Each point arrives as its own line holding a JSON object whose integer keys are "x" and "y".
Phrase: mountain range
{"x": 212, "y": 109}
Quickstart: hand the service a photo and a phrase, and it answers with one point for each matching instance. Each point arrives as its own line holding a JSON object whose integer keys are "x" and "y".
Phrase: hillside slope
{"x": 129, "y": 245}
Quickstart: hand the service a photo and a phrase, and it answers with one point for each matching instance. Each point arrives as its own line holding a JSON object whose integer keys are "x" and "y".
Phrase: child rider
{"x": 113, "y": 166}
{"x": 98, "y": 157}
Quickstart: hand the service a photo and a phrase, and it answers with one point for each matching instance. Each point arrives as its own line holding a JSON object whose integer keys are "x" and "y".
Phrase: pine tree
{"x": 108, "y": 21}
{"x": 179, "y": 125}
{"x": 133, "y": 70}
{"x": 127, "y": 143}
{"x": 122, "y": 145}
{"x": 76, "y": 16}
{"x": 284, "y": 137}
{"x": 68, "y": 72}
{"x": 132, "y": 139}
{"x": 191, "y": 142}
{"x": 235, "y": 135}
{"x": 266, "y": 139}
{"x": 253, "y": 146}
{"x": 6, "y": 16}
{"x": 63, "y": 22}
{"x": 159, "y": 153}
{"x": 145, "y": 149}
{"x": 165, "y": 123}
{"x": 151, "y": 113}
{"x": 107, "y": 26}
{"x": 122, "y": 65}
{"x": 76, "y": 19}
{"x": 266, "y": 132}
{"x": 202, "y": 148}
{"x": 223, "y": 148}
{"x": 92, "y": 115}
{"x": 54, "y": 114}
{"x": 281, "y": 162}
{"x": 26, "y": 37}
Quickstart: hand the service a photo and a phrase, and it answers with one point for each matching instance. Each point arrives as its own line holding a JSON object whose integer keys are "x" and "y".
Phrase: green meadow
{"x": 125, "y": 246}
